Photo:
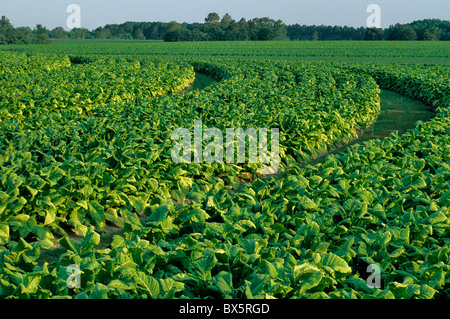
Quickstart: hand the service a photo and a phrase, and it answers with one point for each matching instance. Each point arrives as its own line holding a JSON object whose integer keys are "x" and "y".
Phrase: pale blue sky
{"x": 94, "y": 13}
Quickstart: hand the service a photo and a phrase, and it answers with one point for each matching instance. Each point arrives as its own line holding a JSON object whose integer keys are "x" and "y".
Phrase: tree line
{"x": 226, "y": 28}
{"x": 423, "y": 30}
{"x": 22, "y": 35}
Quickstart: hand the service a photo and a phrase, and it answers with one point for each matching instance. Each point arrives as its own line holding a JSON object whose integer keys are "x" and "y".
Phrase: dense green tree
{"x": 178, "y": 35}
{"x": 58, "y": 33}
{"x": 7, "y": 32}
{"x": 431, "y": 34}
{"x": 40, "y": 35}
{"x": 212, "y": 18}
{"x": 432, "y": 29}
{"x": 173, "y": 26}
{"x": 80, "y": 33}
{"x": 373, "y": 34}
{"x": 265, "y": 33}
{"x": 226, "y": 21}
{"x": 139, "y": 34}
{"x": 154, "y": 30}
{"x": 322, "y": 32}
{"x": 402, "y": 32}
{"x": 24, "y": 35}
{"x": 101, "y": 33}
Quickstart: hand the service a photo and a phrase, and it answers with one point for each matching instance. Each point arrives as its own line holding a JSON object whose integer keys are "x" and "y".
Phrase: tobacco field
{"x": 87, "y": 178}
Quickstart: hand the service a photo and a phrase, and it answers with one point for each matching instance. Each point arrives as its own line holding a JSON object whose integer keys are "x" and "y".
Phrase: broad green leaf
{"x": 45, "y": 236}
{"x": 336, "y": 263}
{"x": 50, "y": 216}
{"x": 97, "y": 213}
{"x": 426, "y": 292}
{"x": 202, "y": 268}
{"x": 258, "y": 283}
{"x": 30, "y": 285}
{"x": 118, "y": 241}
{"x": 118, "y": 284}
{"x": 68, "y": 244}
{"x": 224, "y": 283}
{"x": 100, "y": 291}
{"x": 4, "y": 234}
{"x": 55, "y": 175}
{"x": 305, "y": 268}
{"x": 270, "y": 269}
{"x": 437, "y": 217}
{"x": 147, "y": 283}
{"x": 444, "y": 199}
{"x": 91, "y": 240}
{"x": 170, "y": 287}
{"x": 311, "y": 281}
{"x": 137, "y": 204}
{"x": 195, "y": 215}
{"x": 306, "y": 203}
{"x": 159, "y": 214}
{"x": 16, "y": 205}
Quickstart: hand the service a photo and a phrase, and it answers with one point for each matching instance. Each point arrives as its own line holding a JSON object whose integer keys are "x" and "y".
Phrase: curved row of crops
{"x": 34, "y": 85}
{"x": 192, "y": 230}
